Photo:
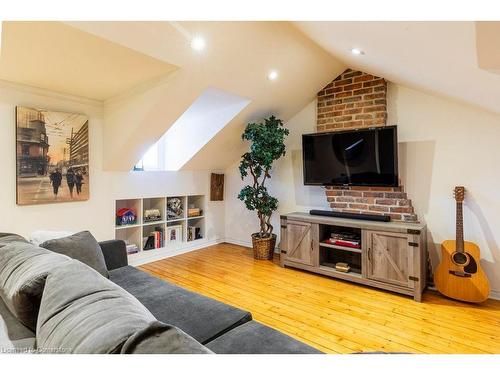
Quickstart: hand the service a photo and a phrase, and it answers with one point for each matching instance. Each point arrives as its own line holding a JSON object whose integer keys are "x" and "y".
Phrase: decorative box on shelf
{"x": 194, "y": 212}
{"x": 152, "y": 215}
{"x": 126, "y": 216}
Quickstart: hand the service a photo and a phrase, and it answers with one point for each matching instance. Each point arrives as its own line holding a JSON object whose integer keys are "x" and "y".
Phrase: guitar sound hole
{"x": 460, "y": 258}
{"x": 472, "y": 266}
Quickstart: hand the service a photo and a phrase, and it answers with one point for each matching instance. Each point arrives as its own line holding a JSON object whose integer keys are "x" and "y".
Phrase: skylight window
{"x": 208, "y": 114}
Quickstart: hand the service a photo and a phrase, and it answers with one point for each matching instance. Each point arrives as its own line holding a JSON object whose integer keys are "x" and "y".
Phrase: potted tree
{"x": 267, "y": 145}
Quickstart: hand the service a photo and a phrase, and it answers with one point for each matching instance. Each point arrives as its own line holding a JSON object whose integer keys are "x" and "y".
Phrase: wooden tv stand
{"x": 393, "y": 255}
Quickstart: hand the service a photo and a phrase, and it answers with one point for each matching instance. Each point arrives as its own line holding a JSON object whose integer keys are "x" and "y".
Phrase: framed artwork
{"x": 174, "y": 234}
{"x": 52, "y": 156}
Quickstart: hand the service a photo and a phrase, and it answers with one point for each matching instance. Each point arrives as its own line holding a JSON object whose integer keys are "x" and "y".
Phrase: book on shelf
{"x": 345, "y": 236}
{"x": 345, "y": 239}
{"x": 345, "y": 243}
{"x": 154, "y": 240}
{"x": 194, "y": 233}
{"x": 132, "y": 249}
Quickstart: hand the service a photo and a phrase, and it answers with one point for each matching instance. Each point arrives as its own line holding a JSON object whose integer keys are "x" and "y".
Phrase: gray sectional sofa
{"x": 66, "y": 306}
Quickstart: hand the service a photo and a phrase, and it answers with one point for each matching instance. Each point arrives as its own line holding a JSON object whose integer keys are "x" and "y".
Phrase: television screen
{"x": 359, "y": 157}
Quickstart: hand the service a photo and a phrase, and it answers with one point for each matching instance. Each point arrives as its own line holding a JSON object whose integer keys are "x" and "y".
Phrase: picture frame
{"x": 174, "y": 234}
{"x": 52, "y": 156}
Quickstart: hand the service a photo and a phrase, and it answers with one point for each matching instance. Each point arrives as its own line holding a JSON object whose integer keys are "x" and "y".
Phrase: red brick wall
{"x": 358, "y": 100}
{"x": 352, "y": 100}
{"x": 372, "y": 200}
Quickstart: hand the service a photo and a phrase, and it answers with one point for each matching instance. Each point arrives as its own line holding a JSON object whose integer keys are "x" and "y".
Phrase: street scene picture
{"x": 52, "y": 156}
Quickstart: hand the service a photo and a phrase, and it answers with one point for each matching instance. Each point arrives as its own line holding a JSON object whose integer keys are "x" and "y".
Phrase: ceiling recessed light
{"x": 198, "y": 43}
{"x": 273, "y": 74}
{"x": 357, "y": 51}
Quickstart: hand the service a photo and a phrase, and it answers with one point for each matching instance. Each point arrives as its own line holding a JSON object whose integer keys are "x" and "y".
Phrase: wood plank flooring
{"x": 332, "y": 315}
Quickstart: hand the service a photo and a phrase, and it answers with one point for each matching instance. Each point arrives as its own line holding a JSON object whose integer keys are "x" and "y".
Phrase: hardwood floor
{"x": 331, "y": 315}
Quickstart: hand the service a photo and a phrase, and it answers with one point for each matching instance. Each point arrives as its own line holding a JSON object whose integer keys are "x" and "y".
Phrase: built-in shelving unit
{"x": 136, "y": 233}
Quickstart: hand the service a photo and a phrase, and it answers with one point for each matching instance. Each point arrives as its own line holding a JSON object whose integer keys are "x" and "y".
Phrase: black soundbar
{"x": 349, "y": 215}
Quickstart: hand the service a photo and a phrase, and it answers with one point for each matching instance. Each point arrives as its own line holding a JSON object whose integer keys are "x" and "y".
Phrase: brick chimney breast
{"x": 352, "y": 100}
{"x": 358, "y": 100}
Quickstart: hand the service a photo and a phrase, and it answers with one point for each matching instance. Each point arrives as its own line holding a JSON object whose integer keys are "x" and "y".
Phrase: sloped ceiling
{"x": 148, "y": 76}
{"x": 488, "y": 45}
{"x": 237, "y": 59}
{"x": 437, "y": 57}
{"x": 56, "y": 57}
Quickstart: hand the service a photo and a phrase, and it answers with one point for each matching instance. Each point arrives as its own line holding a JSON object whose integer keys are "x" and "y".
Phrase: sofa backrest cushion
{"x": 6, "y": 238}
{"x": 83, "y": 312}
{"x": 23, "y": 270}
{"x": 81, "y": 246}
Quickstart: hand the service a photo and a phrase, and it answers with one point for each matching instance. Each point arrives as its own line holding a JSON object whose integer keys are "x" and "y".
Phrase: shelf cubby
{"x": 135, "y": 205}
{"x": 196, "y": 222}
{"x": 330, "y": 254}
{"x": 169, "y": 212}
{"x": 151, "y": 204}
{"x": 131, "y": 235}
{"x": 146, "y": 231}
{"x": 195, "y": 201}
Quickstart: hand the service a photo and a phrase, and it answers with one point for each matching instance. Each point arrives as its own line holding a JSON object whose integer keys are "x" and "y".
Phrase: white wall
{"x": 96, "y": 214}
{"x": 286, "y": 184}
{"x": 443, "y": 143}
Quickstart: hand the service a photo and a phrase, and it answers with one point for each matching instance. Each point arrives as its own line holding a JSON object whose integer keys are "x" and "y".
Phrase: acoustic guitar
{"x": 459, "y": 275}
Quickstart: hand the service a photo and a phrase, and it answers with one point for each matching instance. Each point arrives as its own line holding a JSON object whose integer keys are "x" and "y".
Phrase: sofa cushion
{"x": 200, "y": 317}
{"x": 23, "y": 270}
{"x": 83, "y": 312}
{"x": 256, "y": 338}
{"x": 81, "y": 246}
{"x": 161, "y": 338}
{"x": 6, "y": 238}
{"x": 15, "y": 337}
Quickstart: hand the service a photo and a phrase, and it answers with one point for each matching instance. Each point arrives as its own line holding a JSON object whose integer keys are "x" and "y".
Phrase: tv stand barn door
{"x": 300, "y": 245}
{"x": 392, "y": 256}
{"x": 389, "y": 258}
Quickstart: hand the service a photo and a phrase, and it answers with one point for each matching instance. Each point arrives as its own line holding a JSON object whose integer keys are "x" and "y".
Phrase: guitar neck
{"x": 460, "y": 228}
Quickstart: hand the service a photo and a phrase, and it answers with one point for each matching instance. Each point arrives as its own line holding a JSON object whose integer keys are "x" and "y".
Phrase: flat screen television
{"x": 365, "y": 157}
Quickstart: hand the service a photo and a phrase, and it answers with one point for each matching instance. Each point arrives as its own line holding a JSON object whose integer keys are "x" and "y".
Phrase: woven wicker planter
{"x": 263, "y": 248}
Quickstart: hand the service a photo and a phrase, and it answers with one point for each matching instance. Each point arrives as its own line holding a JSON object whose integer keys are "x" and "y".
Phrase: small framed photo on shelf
{"x": 174, "y": 234}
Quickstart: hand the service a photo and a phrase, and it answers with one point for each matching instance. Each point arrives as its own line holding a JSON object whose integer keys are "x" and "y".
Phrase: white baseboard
{"x": 495, "y": 294}
{"x": 238, "y": 242}
{"x": 153, "y": 255}
{"x": 244, "y": 243}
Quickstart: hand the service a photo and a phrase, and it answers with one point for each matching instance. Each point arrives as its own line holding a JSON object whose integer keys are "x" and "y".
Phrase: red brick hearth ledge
{"x": 391, "y": 201}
